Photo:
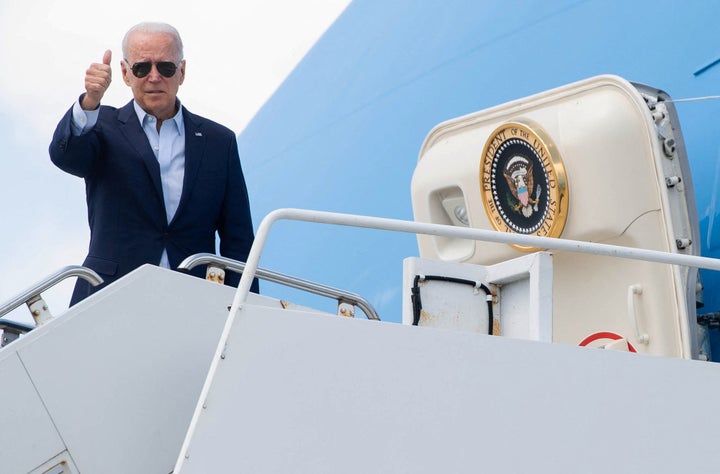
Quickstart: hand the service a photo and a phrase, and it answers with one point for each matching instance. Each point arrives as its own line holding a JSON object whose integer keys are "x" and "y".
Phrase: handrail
{"x": 550, "y": 243}
{"x": 15, "y": 326}
{"x": 11, "y": 331}
{"x": 48, "y": 282}
{"x": 234, "y": 265}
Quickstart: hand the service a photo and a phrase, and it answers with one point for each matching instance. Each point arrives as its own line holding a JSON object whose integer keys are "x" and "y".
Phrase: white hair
{"x": 153, "y": 27}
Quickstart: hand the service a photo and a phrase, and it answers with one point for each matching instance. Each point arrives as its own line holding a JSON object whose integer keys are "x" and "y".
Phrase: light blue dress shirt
{"x": 168, "y": 145}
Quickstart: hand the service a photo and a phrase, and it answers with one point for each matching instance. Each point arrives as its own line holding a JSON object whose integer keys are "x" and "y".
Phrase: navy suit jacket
{"x": 126, "y": 209}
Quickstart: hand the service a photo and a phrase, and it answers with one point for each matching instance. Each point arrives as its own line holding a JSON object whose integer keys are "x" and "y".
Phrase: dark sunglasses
{"x": 143, "y": 68}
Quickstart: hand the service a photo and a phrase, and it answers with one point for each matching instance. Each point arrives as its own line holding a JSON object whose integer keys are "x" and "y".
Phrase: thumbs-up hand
{"x": 97, "y": 80}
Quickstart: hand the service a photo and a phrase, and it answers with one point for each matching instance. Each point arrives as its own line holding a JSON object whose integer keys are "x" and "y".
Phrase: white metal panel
{"x": 302, "y": 393}
{"x": 523, "y": 301}
{"x": 121, "y": 381}
{"x": 21, "y": 407}
{"x": 446, "y": 305}
{"x": 60, "y": 464}
{"x": 526, "y": 301}
{"x": 120, "y": 373}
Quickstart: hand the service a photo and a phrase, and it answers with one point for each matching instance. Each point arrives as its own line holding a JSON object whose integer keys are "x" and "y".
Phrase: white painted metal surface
{"x": 23, "y": 407}
{"x": 114, "y": 381}
{"x": 312, "y": 394}
{"x": 431, "y": 300}
{"x": 60, "y": 464}
{"x": 522, "y": 288}
{"x": 526, "y": 296}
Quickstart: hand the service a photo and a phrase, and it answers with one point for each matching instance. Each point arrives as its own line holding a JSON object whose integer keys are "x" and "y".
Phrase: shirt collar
{"x": 178, "y": 118}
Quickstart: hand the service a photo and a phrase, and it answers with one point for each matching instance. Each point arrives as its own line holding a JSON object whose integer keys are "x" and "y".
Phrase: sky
{"x": 237, "y": 54}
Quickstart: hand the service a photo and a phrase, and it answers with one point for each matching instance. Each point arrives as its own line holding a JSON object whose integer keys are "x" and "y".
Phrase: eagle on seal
{"x": 519, "y": 175}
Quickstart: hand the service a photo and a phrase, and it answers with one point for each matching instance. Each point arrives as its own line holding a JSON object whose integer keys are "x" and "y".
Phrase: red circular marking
{"x": 605, "y": 335}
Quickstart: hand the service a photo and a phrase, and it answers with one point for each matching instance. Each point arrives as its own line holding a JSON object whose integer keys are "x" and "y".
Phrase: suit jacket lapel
{"x": 134, "y": 133}
{"x": 194, "y": 153}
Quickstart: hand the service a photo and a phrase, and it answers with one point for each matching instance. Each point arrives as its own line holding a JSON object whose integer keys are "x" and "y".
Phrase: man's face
{"x": 154, "y": 93}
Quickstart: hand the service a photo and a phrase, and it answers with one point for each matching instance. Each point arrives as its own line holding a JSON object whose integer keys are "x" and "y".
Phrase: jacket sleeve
{"x": 235, "y": 227}
{"x": 73, "y": 154}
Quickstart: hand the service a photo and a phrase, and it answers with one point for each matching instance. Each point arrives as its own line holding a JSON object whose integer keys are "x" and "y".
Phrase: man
{"x": 160, "y": 181}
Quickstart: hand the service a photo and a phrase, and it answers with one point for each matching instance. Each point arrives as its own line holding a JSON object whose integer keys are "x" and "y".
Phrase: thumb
{"x": 107, "y": 57}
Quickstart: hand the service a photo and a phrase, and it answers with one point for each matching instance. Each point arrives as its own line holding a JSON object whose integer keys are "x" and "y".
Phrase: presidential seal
{"x": 523, "y": 183}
